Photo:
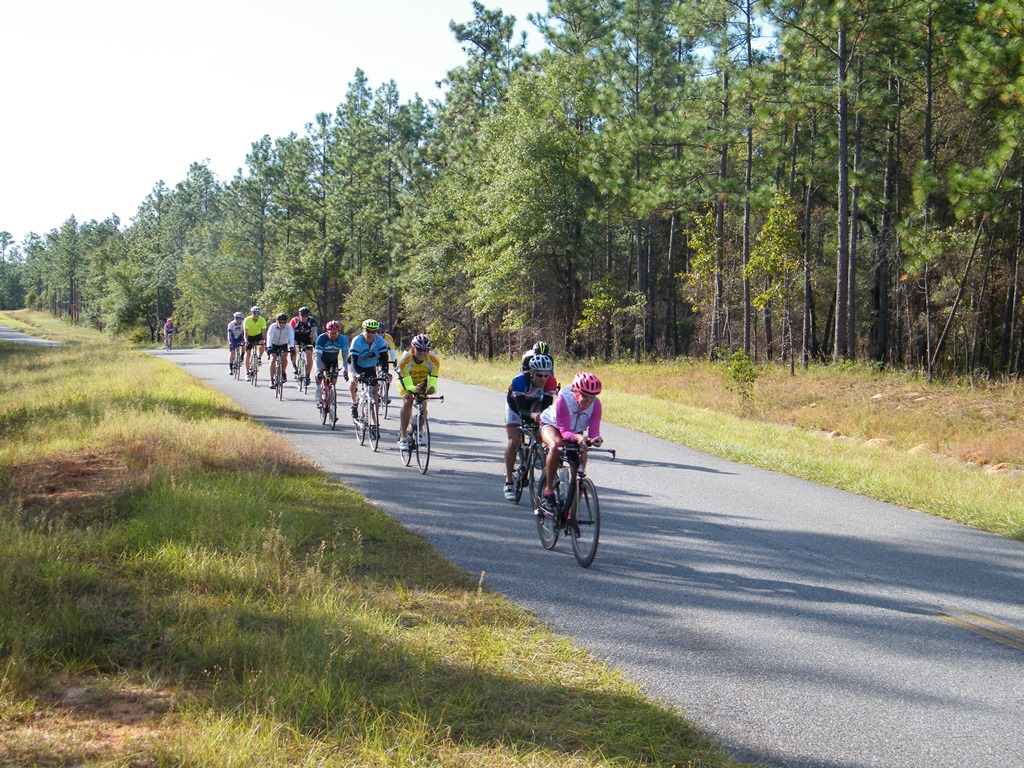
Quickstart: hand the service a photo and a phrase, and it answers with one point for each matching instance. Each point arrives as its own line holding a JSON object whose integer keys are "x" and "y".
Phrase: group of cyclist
{"x": 571, "y": 414}
{"x": 369, "y": 355}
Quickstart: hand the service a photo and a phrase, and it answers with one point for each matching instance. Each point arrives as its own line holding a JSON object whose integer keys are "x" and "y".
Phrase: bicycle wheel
{"x": 254, "y": 370}
{"x": 359, "y": 422}
{"x": 332, "y": 406}
{"x": 423, "y": 446}
{"x": 547, "y": 522}
{"x": 521, "y": 471}
{"x": 301, "y": 375}
{"x": 324, "y": 393}
{"x": 279, "y": 383}
{"x": 586, "y": 523}
{"x": 411, "y": 438}
{"x": 373, "y": 419}
{"x": 385, "y": 402}
{"x": 538, "y": 455}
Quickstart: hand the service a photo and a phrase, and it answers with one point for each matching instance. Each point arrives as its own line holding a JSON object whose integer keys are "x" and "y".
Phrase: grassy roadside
{"x": 179, "y": 588}
{"x": 46, "y": 326}
{"x": 948, "y": 450}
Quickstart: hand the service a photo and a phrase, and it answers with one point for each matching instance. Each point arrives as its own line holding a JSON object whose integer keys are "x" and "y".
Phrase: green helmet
{"x": 371, "y": 325}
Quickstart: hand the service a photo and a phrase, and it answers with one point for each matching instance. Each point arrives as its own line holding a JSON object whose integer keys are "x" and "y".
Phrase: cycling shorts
{"x": 362, "y": 373}
{"x": 275, "y": 348}
{"x": 254, "y": 341}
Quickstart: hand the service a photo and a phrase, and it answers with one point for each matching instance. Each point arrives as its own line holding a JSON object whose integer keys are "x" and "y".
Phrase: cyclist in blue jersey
{"x": 331, "y": 352}
{"x": 528, "y": 395}
{"x": 366, "y": 351}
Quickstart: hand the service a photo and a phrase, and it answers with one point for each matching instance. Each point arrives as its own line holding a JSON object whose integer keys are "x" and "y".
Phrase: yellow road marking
{"x": 973, "y": 623}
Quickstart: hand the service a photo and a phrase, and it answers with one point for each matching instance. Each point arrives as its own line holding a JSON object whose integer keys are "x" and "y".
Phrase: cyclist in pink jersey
{"x": 575, "y": 417}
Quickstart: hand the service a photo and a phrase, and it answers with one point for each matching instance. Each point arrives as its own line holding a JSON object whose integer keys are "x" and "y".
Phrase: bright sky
{"x": 102, "y": 99}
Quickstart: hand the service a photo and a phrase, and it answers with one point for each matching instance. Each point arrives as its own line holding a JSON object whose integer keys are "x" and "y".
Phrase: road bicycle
{"x": 253, "y": 373}
{"x": 279, "y": 374}
{"x": 302, "y": 377}
{"x": 385, "y": 393}
{"x": 529, "y": 459}
{"x": 168, "y": 339}
{"x": 367, "y": 420}
{"x": 418, "y": 439}
{"x": 238, "y": 362}
{"x": 577, "y": 513}
{"x": 328, "y": 398}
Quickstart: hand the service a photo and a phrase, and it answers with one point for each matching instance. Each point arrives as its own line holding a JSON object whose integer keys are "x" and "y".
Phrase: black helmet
{"x": 282, "y": 317}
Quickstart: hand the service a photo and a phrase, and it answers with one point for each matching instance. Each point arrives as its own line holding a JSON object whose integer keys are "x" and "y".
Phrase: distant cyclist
{"x": 366, "y": 352}
{"x": 304, "y": 325}
{"x": 236, "y": 338}
{"x": 529, "y": 393}
{"x": 280, "y": 338}
{"x": 574, "y": 417}
{"x": 168, "y": 333}
{"x": 331, "y": 353}
{"x": 417, "y": 375}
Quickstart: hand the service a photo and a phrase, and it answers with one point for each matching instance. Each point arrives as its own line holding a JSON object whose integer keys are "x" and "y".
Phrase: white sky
{"x": 102, "y": 99}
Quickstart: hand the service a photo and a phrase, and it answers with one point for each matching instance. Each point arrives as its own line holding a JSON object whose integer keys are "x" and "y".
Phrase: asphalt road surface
{"x": 799, "y": 625}
{"x": 9, "y": 334}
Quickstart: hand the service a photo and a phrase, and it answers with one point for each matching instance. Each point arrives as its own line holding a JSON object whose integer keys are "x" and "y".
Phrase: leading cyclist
{"x": 574, "y": 417}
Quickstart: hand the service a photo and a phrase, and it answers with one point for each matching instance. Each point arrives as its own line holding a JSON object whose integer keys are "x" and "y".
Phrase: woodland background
{"x": 796, "y": 180}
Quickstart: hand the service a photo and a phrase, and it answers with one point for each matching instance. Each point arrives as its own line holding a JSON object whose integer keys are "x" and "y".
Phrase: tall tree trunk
{"x": 886, "y": 234}
{"x": 716, "y": 305}
{"x": 1007, "y": 340}
{"x": 841, "y": 347}
{"x": 747, "y": 174}
{"x": 851, "y": 291}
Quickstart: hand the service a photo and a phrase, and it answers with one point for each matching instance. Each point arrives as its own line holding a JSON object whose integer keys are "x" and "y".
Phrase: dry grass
{"x": 982, "y": 425}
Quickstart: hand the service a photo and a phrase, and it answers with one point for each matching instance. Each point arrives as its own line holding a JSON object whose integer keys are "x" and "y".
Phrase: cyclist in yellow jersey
{"x": 254, "y": 326}
{"x": 417, "y": 375}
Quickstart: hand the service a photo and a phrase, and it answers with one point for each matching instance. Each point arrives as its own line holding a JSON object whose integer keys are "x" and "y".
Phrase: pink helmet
{"x": 587, "y": 383}
{"x": 333, "y": 325}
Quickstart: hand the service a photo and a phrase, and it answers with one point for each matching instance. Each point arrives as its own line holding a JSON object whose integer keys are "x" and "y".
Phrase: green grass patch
{"x": 179, "y": 588}
{"x": 893, "y": 437}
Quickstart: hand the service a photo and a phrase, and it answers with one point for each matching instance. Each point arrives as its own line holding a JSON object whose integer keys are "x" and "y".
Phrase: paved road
{"x": 9, "y": 334}
{"x": 799, "y": 625}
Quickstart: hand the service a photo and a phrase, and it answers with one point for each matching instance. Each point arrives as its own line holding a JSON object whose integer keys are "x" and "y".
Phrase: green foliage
{"x": 741, "y": 370}
{"x": 776, "y": 254}
{"x": 704, "y": 260}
